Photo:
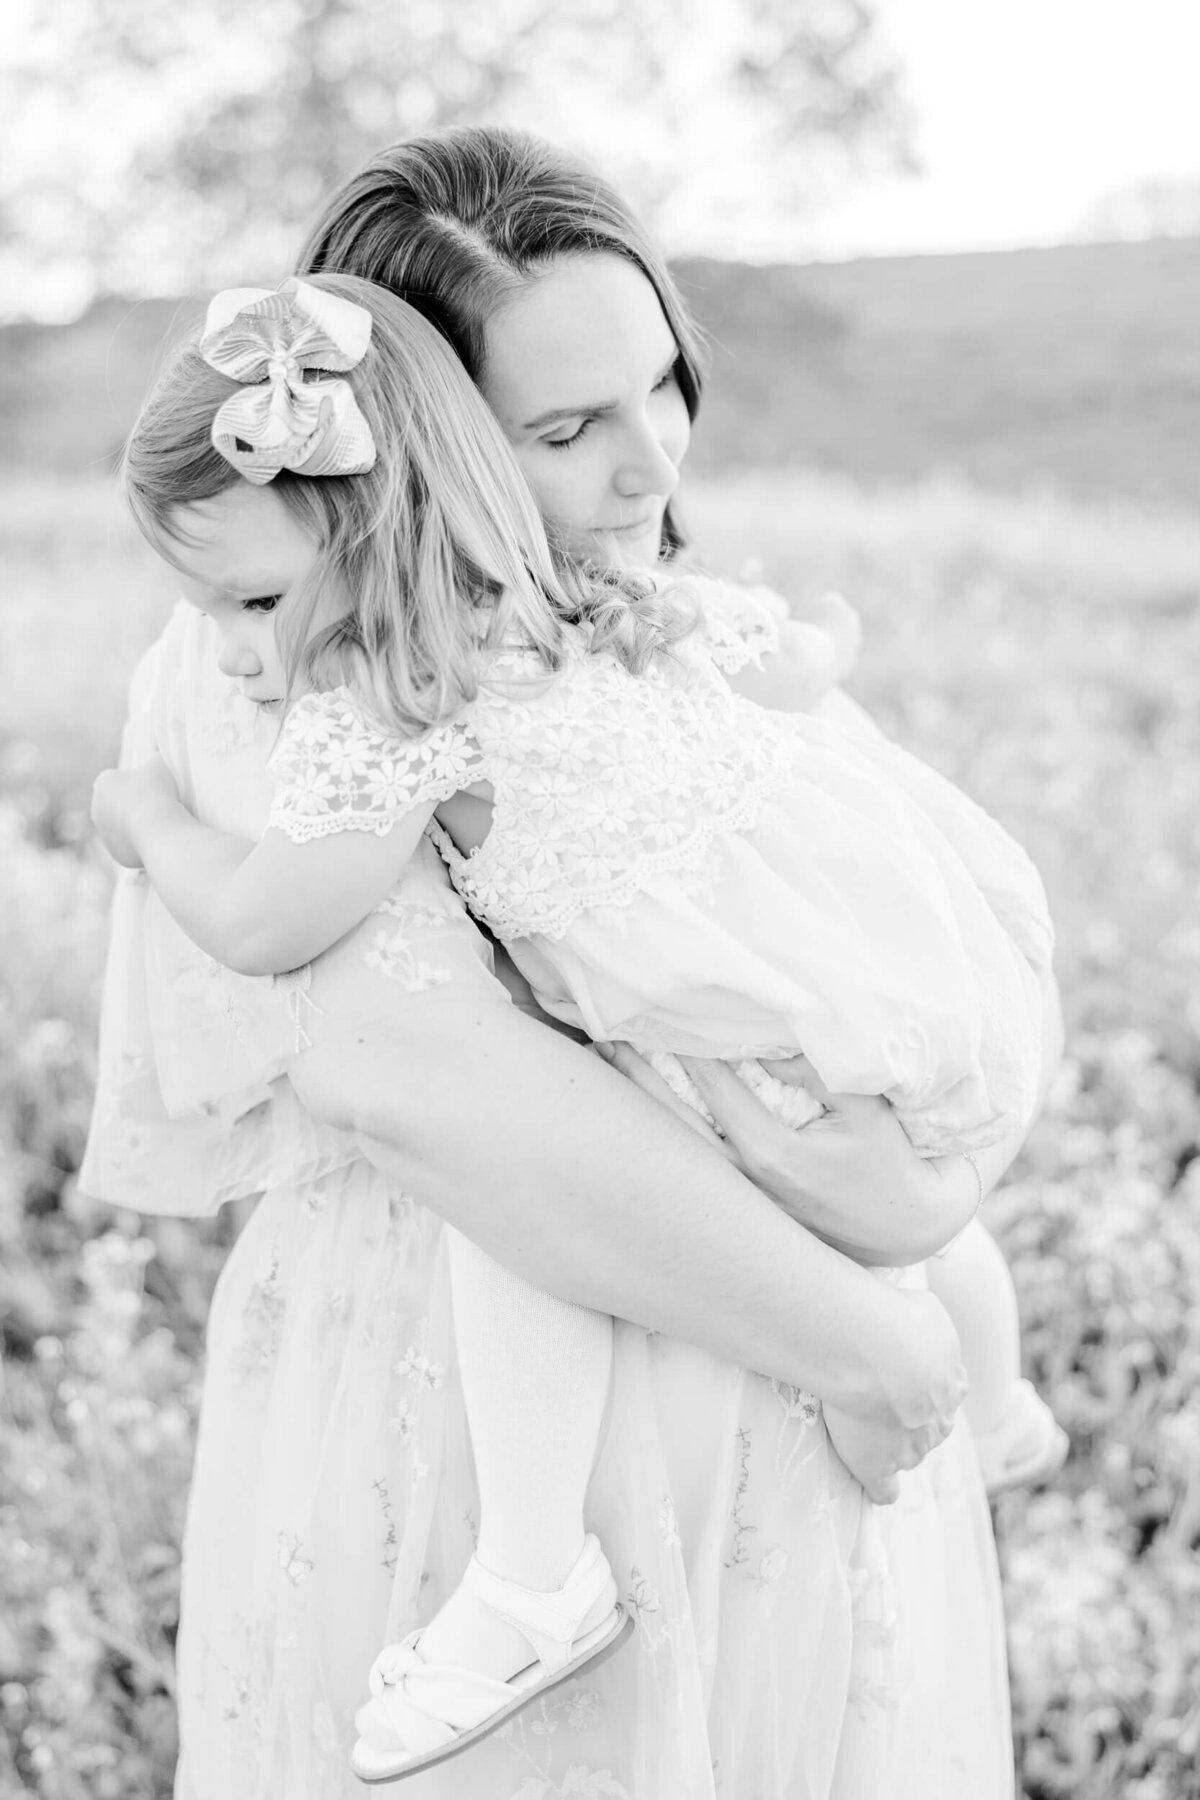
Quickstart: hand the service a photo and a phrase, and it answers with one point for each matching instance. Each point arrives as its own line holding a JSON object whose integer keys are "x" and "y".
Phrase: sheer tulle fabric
{"x": 793, "y": 1642}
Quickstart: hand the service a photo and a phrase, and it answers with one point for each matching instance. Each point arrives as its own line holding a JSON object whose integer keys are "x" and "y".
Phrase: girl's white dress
{"x": 793, "y": 1642}
{"x": 675, "y": 866}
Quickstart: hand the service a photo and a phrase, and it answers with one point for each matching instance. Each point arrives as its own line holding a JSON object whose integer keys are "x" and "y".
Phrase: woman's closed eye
{"x": 564, "y": 443}
{"x": 666, "y": 380}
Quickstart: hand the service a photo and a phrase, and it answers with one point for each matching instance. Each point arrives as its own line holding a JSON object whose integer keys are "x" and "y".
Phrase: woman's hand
{"x": 624, "y": 1057}
{"x": 120, "y": 800}
{"x": 851, "y": 1175}
{"x": 922, "y": 1385}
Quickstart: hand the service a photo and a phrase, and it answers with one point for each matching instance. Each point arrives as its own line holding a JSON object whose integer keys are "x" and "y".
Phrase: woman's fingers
{"x": 797, "y": 1071}
{"x": 742, "y": 1117}
{"x": 872, "y": 1456}
{"x": 625, "y": 1059}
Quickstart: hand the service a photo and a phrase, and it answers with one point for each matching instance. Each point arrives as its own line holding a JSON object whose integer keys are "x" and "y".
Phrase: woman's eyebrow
{"x": 595, "y": 409}
{"x": 558, "y": 413}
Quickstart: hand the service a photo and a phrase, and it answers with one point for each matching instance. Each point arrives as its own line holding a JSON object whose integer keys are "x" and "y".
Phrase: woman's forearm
{"x": 561, "y": 1170}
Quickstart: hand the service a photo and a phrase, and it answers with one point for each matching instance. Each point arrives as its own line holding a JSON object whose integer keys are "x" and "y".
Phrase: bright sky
{"x": 1028, "y": 112}
{"x": 1029, "y": 115}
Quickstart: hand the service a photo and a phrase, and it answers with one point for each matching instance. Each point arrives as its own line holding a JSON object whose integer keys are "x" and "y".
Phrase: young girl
{"x": 671, "y": 865}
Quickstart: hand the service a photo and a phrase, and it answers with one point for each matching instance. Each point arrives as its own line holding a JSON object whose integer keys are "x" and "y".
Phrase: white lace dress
{"x": 793, "y": 1642}
{"x": 675, "y": 866}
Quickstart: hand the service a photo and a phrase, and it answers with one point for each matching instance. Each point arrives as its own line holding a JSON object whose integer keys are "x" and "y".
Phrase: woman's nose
{"x": 238, "y": 659}
{"x": 647, "y": 466}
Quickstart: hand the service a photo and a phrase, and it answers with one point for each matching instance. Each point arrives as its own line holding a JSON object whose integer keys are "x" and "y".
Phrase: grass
{"x": 1046, "y": 654}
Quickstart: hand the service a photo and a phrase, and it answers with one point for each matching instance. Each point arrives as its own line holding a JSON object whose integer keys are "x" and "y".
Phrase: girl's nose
{"x": 238, "y": 660}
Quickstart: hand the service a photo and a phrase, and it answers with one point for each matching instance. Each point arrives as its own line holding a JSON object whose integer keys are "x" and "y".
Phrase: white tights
{"x": 535, "y": 1374}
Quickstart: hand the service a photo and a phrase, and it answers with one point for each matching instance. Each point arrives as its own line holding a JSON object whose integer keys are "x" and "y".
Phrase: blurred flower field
{"x": 1047, "y": 656}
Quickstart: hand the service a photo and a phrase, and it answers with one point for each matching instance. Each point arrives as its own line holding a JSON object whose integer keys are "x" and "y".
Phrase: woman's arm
{"x": 852, "y": 1176}
{"x": 260, "y": 909}
{"x": 565, "y": 1173}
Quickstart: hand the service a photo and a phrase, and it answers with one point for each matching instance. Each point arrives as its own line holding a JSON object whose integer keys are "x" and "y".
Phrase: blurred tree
{"x": 1160, "y": 206}
{"x": 145, "y": 148}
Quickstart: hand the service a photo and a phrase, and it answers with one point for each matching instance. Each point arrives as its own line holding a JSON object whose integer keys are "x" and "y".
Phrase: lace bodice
{"x": 600, "y": 781}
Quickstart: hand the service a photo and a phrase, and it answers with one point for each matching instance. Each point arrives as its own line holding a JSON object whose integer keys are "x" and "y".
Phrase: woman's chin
{"x": 627, "y": 549}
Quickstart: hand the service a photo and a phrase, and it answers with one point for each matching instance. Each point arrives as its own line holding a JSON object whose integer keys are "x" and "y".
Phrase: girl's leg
{"x": 1015, "y": 1432}
{"x": 535, "y": 1375}
{"x": 973, "y": 1283}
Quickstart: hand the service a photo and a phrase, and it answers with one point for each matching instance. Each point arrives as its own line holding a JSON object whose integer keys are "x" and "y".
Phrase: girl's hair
{"x": 431, "y": 560}
{"x": 456, "y": 222}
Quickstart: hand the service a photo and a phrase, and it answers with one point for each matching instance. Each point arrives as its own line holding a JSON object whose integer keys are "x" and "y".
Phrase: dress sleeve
{"x": 740, "y": 624}
{"x": 336, "y": 769}
{"x": 139, "y": 1154}
{"x": 188, "y": 1096}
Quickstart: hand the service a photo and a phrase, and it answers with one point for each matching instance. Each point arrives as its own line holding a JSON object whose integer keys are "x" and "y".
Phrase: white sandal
{"x": 1028, "y": 1446}
{"x": 422, "y": 1713}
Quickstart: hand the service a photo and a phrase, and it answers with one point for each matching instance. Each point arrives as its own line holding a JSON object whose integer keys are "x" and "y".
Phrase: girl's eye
{"x": 262, "y": 603}
{"x": 565, "y": 443}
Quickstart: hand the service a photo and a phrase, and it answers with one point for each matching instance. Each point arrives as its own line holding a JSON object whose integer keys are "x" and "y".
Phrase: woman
{"x": 791, "y": 1642}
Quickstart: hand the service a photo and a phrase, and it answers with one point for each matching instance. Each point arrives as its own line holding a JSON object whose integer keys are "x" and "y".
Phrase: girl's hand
{"x": 826, "y": 647}
{"x": 121, "y": 800}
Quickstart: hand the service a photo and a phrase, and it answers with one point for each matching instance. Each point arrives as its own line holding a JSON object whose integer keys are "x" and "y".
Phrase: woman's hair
{"x": 430, "y": 560}
{"x": 456, "y": 222}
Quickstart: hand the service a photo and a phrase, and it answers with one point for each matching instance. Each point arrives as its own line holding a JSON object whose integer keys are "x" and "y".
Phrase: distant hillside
{"x": 1077, "y": 366}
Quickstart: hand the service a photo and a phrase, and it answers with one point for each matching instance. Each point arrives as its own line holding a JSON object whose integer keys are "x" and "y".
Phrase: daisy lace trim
{"x": 336, "y": 770}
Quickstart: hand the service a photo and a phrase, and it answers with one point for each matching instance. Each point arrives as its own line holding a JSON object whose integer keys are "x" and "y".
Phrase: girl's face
{"x": 579, "y": 371}
{"x": 243, "y": 555}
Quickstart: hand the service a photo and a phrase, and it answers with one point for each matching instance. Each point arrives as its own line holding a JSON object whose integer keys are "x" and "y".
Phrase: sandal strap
{"x": 419, "y": 1706}
{"x": 551, "y": 1621}
{"x": 418, "y": 1709}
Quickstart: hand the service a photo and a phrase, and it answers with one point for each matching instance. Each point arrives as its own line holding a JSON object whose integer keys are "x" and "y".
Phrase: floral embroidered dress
{"x": 793, "y": 1642}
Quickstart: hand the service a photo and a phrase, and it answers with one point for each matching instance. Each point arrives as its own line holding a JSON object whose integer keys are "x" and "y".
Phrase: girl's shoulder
{"x": 337, "y": 765}
{"x": 346, "y": 719}
{"x": 332, "y": 714}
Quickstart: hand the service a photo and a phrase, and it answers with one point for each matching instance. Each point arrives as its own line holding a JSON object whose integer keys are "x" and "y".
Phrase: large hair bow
{"x": 268, "y": 339}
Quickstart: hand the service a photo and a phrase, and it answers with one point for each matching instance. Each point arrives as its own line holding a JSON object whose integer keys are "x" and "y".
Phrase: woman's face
{"x": 580, "y": 372}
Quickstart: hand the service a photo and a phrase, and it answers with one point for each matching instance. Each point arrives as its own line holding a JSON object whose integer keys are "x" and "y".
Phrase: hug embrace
{"x": 567, "y": 1428}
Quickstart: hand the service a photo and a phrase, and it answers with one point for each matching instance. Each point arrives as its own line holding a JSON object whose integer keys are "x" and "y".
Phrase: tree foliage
{"x": 151, "y": 147}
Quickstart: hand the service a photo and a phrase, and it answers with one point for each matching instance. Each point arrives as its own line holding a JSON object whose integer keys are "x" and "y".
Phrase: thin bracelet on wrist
{"x": 971, "y": 1159}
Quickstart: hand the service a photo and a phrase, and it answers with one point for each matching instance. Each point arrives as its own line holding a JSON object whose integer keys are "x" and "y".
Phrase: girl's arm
{"x": 260, "y": 909}
{"x": 813, "y": 656}
{"x": 571, "y": 1177}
